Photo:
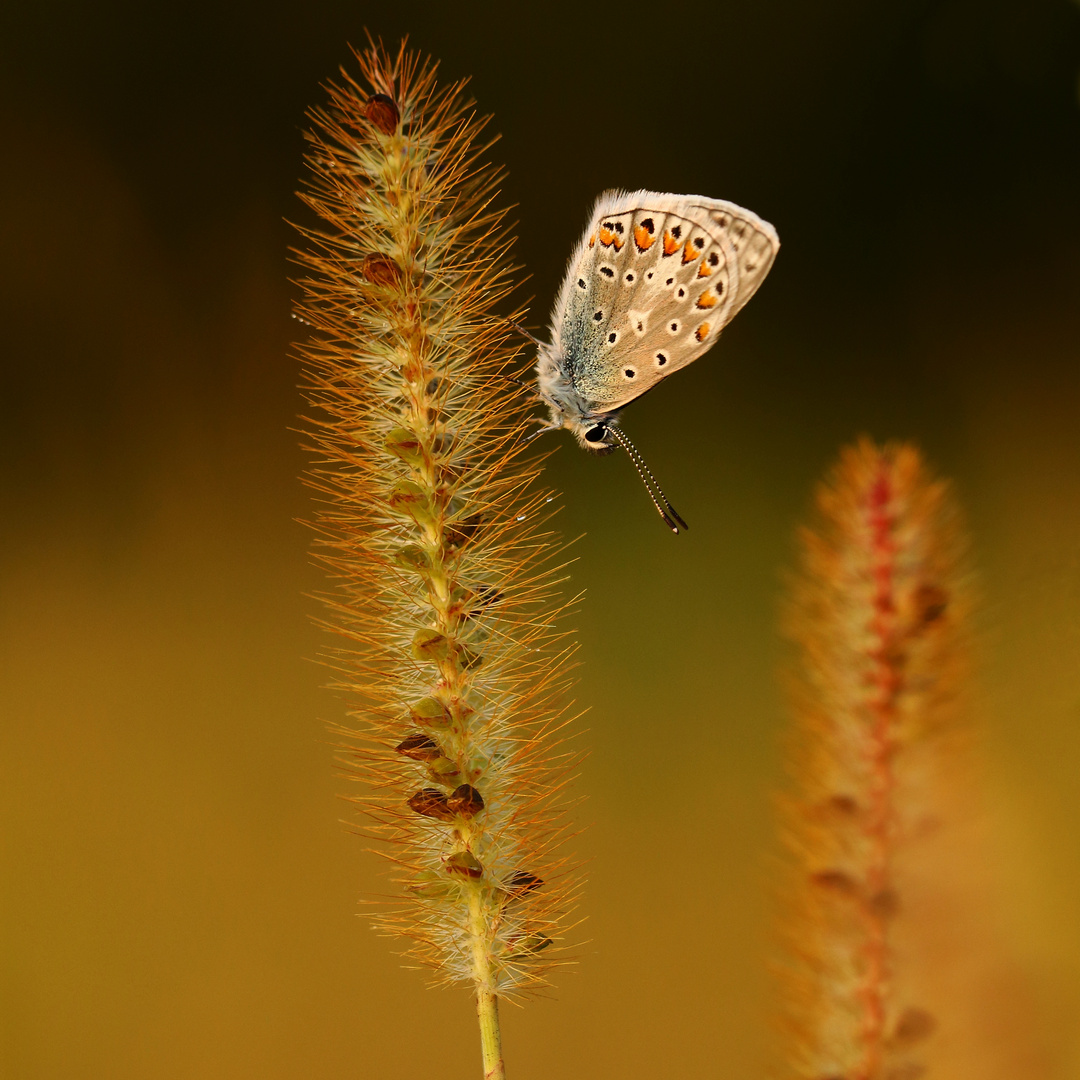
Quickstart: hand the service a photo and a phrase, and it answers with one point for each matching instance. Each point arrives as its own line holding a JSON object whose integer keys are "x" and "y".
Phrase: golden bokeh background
{"x": 179, "y": 900}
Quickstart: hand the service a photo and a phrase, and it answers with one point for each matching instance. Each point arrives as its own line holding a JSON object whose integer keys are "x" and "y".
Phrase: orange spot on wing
{"x": 608, "y": 238}
{"x": 690, "y": 253}
{"x": 702, "y": 331}
{"x": 704, "y": 270}
{"x": 643, "y": 238}
{"x": 671, "y": 245}
{"x": 592, "y": 240}
{"x": 707, "y": 299}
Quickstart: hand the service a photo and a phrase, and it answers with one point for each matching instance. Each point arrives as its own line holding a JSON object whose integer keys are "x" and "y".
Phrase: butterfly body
{"x": 653, "y": 281}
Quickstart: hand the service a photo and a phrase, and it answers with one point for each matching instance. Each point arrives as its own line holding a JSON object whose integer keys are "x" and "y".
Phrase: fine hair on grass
{"x": 435, "y": 531}
{"x": 878, "y": 611}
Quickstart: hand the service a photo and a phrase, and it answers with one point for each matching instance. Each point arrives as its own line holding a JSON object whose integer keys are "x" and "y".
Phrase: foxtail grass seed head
{"x": 435, "y": 531}
{"x": 878, "y": 612}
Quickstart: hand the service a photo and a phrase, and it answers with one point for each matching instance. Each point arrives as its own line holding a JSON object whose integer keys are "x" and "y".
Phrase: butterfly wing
{"x": 654, "y": 280}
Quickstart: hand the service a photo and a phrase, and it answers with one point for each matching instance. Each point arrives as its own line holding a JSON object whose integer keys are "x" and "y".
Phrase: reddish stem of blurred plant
{"x": 878, "y": 612}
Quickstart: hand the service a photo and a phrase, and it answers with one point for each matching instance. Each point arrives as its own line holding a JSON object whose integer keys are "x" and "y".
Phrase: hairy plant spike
{"x": 435, "y": 532}
{"x": 878, "y": 611}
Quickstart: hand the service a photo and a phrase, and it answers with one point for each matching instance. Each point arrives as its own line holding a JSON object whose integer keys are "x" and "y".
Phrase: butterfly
{"x": 653, "y": 281}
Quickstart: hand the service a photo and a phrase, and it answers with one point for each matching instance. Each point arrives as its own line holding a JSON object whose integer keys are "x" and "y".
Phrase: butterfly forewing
{"x": 654, "y": 280}
{"x": 755, "y": 244}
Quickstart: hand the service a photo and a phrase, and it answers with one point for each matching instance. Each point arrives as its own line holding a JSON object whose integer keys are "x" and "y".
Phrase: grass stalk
{"x": 435, "y": 532}
{"x": 879, "y": 614}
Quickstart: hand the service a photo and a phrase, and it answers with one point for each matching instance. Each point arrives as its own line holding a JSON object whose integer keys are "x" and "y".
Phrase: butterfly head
{"x": 596, "y": 436}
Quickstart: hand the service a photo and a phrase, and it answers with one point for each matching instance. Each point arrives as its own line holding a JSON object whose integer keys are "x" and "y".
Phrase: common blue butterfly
{"x": 653, "y": 281}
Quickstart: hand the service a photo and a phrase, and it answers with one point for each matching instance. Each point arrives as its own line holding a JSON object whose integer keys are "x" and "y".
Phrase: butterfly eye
{"x": 595, "y": 434}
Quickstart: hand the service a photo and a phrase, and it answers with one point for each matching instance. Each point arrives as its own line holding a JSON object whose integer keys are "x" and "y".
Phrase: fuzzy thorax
{"x": 567, "y": 407}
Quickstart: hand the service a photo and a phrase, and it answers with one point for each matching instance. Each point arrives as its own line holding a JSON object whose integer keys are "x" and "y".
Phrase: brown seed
{"x": 528, "y": 943}
{"x": 463, "y": 863}
{"x": 885, "y": 903}
{"x": 461, "y": 532}
{"x": 430, "y": 712}
{"x": 835, "y": 881}
{"x": 431, "y": 803}
{"x": 380, "y": 269}
{"x": 913, "y": 1025}
{"x": 404, "y": 444}
{"x": 383, "y": 113}
{"x": 444, "y": 771}
{"x": 523, "y": 882}
{"x": 429, "y": 644}
{"x": 419, "y": 747}
{"x": 931, "y": 602}
{"x": 465, "y": 801}
{"x": 412, "y": 557}
{"x": 840, "y": 806}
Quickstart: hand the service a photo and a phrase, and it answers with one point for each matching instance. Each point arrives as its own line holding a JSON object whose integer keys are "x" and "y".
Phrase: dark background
{"x": 178, "y": 899}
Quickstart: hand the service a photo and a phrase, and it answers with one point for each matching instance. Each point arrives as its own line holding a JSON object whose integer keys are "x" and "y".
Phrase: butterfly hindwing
{"x": 651, "y": 285}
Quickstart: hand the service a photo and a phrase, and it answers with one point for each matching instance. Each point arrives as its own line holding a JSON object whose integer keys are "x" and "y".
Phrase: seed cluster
{"x": 879, "y": 613}
{"x": 434, "y": 527}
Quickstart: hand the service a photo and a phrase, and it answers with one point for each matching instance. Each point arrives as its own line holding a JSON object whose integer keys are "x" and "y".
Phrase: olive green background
{"x": 179, "y": 900}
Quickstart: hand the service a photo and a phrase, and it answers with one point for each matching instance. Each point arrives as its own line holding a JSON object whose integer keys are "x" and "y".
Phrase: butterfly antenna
{"x": 525, "y": 333}
{"x": 666, "y": 511}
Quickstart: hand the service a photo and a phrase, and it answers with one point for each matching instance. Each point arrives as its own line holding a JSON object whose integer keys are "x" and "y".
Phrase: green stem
{"x": 487, "y": 1001}
{"x": 487, "y": 1009}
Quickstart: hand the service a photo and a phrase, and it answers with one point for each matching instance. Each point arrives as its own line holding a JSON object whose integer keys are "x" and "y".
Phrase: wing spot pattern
{"x": 702, "y": 331}
{"x": 643, "y": 234}
{"x": 671, "y": 239}
{"x": 611, "y": 234}
{"x": 661, "y": 359}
